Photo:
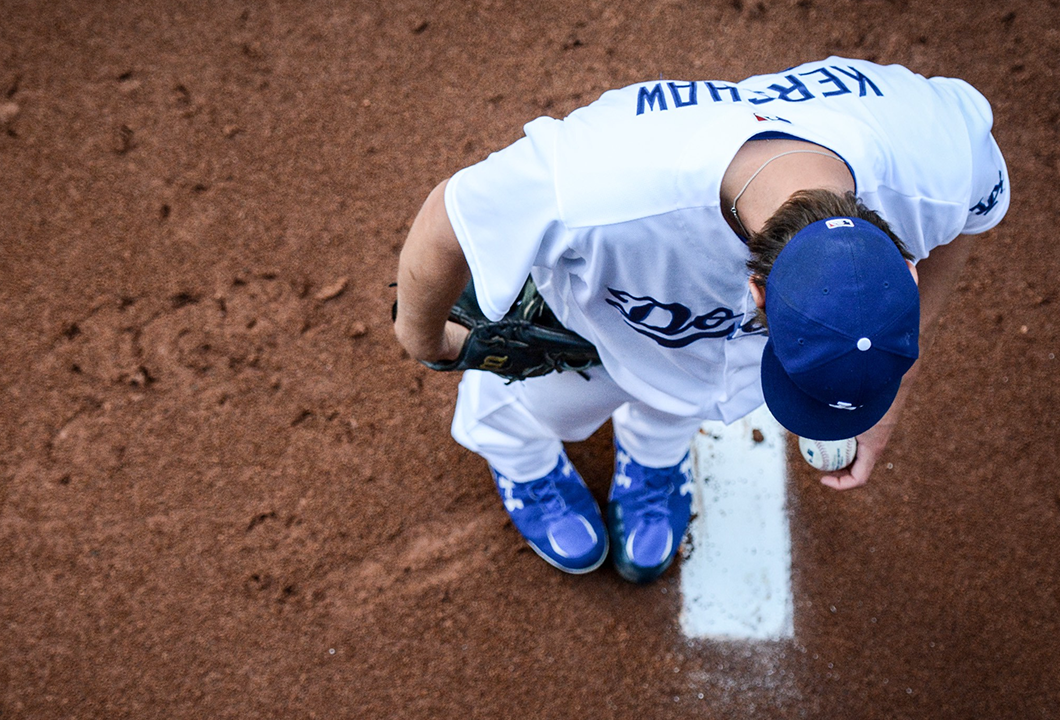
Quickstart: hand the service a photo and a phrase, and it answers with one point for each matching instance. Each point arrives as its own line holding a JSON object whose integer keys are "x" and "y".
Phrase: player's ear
{"x": 912, "y": 269}
{"x": 757, "y": 292}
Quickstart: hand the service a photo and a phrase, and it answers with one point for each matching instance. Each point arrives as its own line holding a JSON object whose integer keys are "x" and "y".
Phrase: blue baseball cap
{"x": 844, "y": 324}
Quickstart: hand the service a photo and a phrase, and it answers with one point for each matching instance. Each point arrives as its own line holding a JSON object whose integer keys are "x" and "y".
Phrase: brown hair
{"x": 801, "y": 209}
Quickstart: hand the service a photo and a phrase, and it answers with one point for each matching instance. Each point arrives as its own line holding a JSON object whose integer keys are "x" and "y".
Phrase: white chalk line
{"x": 736, "y": 577}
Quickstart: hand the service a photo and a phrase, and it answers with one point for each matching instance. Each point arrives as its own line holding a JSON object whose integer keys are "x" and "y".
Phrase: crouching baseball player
{"x": 663, "y": 226}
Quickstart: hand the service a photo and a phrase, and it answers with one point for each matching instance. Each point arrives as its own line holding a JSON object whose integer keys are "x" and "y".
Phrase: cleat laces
{"x": 547, "y": 495}
{"x": 654, "y": 500}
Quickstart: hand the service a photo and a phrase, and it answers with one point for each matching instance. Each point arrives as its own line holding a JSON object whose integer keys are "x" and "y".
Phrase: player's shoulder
{"x": 838, "y": 78}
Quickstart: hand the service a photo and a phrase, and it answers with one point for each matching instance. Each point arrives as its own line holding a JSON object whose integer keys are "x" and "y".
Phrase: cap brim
{"x": 810, "y": 418}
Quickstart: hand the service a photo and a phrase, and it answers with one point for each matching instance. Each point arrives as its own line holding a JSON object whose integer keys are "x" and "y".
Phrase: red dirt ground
{"x": 226, "y": 493}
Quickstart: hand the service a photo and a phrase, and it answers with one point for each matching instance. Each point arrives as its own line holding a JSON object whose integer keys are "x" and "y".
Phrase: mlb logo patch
{"x": 838, "y": 223}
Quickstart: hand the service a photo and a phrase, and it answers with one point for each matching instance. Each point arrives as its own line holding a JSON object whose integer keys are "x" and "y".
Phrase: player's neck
{"x": 765, "y": 173}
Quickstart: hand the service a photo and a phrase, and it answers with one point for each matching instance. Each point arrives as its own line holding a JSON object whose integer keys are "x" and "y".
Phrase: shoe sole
{"x": 573, "y": 571}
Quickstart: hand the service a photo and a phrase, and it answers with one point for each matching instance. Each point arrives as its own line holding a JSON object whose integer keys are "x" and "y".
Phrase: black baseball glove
{"x": 528, "y": 341}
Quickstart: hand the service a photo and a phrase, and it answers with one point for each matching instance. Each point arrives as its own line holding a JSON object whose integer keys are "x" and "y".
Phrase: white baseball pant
{"x": 520, "y": 428}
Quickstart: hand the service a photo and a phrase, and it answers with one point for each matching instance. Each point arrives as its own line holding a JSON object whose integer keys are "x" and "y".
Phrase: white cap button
{"x": 864, "y": 344}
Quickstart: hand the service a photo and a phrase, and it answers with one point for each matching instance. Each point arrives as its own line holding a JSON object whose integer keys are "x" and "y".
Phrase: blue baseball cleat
{"x": 558, "y": 517}
{"x": 647, "y": 515}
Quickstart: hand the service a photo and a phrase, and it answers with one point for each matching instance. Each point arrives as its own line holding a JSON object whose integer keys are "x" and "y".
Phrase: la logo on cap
{"x": 839, "y": 223}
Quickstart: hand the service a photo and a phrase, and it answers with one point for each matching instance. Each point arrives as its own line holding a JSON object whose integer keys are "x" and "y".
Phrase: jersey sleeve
{"x": 990, "y": 188}
{"x": 503, "y": 210}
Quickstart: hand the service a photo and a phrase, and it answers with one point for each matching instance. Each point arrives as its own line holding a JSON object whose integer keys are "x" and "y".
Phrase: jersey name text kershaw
{"x": 825, "y": 81}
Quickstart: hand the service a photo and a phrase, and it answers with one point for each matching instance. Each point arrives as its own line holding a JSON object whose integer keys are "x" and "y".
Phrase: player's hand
{"x": 870, "y": 446}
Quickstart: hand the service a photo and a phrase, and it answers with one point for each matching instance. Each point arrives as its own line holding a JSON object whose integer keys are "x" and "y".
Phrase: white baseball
{"x": 828, "y": 455}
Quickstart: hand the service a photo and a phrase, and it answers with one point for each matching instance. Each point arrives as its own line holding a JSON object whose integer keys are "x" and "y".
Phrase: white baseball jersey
{"x": 616, "y": 212}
